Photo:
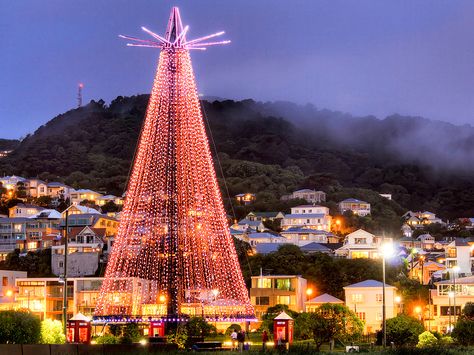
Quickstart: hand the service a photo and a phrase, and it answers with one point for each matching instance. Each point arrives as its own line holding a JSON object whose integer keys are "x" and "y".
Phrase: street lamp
{"x": 456, "y": 269}
{"x": 398, "y": 300}
{"x": 418, "y": 312}
{"x": 387, "y": 252}
{"x": 309, "y": 292}
{"x": 450, "y": 295}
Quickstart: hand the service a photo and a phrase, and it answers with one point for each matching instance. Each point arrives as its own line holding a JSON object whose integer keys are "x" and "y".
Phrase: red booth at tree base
{"x": 283, "y": 329}
{"x": 79, "y": 329}
{"x": 156, "y": 329}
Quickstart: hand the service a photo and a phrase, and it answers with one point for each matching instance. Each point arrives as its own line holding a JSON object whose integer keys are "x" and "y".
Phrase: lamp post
{"x": 450, "y": 295}
{"x": 455, "y": 270}
{"x": 65, "y": 275}
{"x": 28, "y": 298}
{"x": 387, "y": 252}
{"x": 398, "y": 300}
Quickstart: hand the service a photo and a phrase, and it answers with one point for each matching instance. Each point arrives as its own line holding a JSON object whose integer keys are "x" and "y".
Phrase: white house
{"x": 24, "y": 210}
{"x": 78, "y": 196}
{"x": 311, "y": 196}
{"x": 460, "y": 253}
{"x": 248, "y": 225}
{"x": 361, "y": 244}
{"x": 7, "y": 284}
{"x": 365, "y": 299}
{"x": 258, "y": 238}
{"x": 357, "y": 207}
{"x": 308, "y": 216}
{"x": 302, "y": 236}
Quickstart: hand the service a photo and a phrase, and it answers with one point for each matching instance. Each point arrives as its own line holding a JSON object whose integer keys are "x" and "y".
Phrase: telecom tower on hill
{"x": 173, "y": 255}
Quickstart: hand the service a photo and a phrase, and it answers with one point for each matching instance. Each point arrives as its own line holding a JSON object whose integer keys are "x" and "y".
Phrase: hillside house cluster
{"x": 35, "y": 188}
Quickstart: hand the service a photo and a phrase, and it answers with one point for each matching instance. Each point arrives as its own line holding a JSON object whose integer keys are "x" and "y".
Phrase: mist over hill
{"x": 269, "y": 148}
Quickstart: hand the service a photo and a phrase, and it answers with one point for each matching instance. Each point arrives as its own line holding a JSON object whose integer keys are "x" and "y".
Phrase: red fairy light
{"x": 173, "y": 253}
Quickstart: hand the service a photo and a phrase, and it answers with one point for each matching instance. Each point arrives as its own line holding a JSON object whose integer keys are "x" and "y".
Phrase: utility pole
{"x": 65, "y": 276}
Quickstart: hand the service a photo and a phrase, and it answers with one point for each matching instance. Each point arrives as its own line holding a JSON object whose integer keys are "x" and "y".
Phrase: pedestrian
{"x": 241, "y": 340}
{"x": 233, "y": 337}
{"x": 264, "y": 340}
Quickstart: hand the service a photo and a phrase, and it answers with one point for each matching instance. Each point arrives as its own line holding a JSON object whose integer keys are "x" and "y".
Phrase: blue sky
{"x": 364, "y": 57}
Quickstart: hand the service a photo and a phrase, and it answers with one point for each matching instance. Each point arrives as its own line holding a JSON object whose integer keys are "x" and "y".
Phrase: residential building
{"x": 80, "y": 195}
{"x": 328, "y": 248}
{"x": 361, "y": 244}
{"x": 12, "y": 234}
{"x": 265, "y": 237}
{"x": 92, "y": 220}
{"x": 245, "y": 199}
{"x": 460, "y": 253}
{"x": 100, "y": 201}
{"x": 270, "y": 290}
{"x": 7, "y": 285}
{"x": 239, "y": 234}
{"x": 248, "y": 225}
{"x": 36, "y": 187}
{"x": 357, "y": 207}
{"x": 313, "y": 304}
{"x": 442, "y": 302}
{"x": 308, "y": 216}
{"x": 84, "y": 251}
{"x": 423, "y": 270}
{"x": 10, "y": 182}
{"x": 24, "y": 210}
{"x": 387, "y": 196}
{"x": 78, "y": 209}
{"x": 57, "y": 190}
{"x": 366, "y": 300}
{"x": 302, "y": 235}
{"x": 264, "y": 216}
{"x": 311, "y": 196}
{"x": 421, "y": 219}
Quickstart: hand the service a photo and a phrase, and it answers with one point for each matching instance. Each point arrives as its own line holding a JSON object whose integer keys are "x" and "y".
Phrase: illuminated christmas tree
{"x": 173, "y": 254}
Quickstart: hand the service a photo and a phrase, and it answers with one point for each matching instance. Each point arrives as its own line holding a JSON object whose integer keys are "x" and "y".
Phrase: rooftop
{"x": 353, "y": 200}
{"x": 325, "y": 298}
{"x": 368, "y": 283}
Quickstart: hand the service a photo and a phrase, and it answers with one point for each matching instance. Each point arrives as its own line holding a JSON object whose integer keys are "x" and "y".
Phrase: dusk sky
{"x": 362, "y": 57}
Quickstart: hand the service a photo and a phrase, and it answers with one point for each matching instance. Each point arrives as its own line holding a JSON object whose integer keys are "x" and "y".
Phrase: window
{"x": 4, "y": 281}
{"x": 360, "y": 241}
{"x": 361, "y": 316}
{"x": 283, "y": 284}
{"x": 308, "y": 221}
{"x": 264, "y": 283}
{"x": 379, "y": 297}
{"x": 283, "y": 300}
{"x": 357, "y": 297}
{"x": 445, "y": 310}
{"x": 61, "y": 264}
{"x": 262, "y": 301}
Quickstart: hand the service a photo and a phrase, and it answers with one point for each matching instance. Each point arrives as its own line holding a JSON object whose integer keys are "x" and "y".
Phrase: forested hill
{"x": 270, "y": 148}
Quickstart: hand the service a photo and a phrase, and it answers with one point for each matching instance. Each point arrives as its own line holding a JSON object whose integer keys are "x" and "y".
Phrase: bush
{"x": 426, "y": 340}
{"x": 19, "y": 327}
{"x": 52, "y": 332}
{"x": 403, "y": 330}
{"x": 131, "y": 333}
{"x": 198, "y": 326}
{"x": 107, "y": 339}
{"x": 463, "y": 332}
{"x": 229, "y": 330}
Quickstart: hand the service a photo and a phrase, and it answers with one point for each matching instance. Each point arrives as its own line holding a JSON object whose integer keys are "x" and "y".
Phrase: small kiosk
{"x": 283, "y": 330}
{"x": 156, "y": 329}
{"x": 79, "y": 329}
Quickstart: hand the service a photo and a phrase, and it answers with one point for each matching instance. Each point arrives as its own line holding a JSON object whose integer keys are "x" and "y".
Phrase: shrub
{"x": 403, "y": 330}
{"x": 426, "y": 340}
{"x": 107, "y": 339}
{"x": 131, "y": 333}
{"x": 52, "y": 332}
{"x": 19, "y": 327}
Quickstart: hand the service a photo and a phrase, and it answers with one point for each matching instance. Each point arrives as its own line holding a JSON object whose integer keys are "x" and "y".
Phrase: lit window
{"x": 264, "y": 283}
{"x": 357, "y": 297}
{"x": 283, "y": 300}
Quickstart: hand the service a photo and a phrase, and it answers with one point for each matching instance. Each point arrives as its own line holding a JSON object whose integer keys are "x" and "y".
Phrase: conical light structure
{"x": 173, "y": 254}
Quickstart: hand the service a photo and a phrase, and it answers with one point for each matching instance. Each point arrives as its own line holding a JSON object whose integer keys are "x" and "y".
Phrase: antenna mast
{"x": 79, "y": 94}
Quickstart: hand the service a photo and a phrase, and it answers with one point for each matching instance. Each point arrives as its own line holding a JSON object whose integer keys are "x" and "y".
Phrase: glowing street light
{"x": 450, "y": 295}
{"x": 387, "y": 251}
{"x": 398, "y": 300}
{"x": 309, "y": 292}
